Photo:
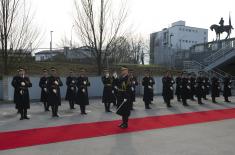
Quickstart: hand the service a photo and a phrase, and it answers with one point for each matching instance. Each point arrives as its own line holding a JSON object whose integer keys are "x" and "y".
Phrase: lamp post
{"x": 51, "y": 41}
{"x": 171, "y": 53}
{"x": 71, "y": 40}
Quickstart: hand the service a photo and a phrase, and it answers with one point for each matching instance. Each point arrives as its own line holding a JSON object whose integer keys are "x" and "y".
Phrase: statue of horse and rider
{"x": 219, "y": 29}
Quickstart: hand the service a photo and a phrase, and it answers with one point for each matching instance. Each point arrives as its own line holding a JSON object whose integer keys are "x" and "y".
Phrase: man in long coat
{"x": 82, "y": 93}
{"x": 44, "y": 91}
{"x": 227, "y": 88}
{"x": 53, "y": 86}
{"x": 71, "y": 82}
{"x": 21, "y": 85}
{"x": 168, "y": 89}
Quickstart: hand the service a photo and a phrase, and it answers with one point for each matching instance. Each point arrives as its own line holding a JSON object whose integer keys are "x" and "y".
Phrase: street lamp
{"x": 71, "y": 41}
{"x": 171, "y": 51}
{"x": 51, "y": 42}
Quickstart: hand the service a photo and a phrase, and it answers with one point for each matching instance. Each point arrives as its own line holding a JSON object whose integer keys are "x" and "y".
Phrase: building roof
{"x": 49, "y": 52}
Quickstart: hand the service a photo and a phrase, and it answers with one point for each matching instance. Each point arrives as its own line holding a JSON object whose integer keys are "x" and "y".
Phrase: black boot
{"x": 21, "y": 114}
{"x": 25, "y": 114}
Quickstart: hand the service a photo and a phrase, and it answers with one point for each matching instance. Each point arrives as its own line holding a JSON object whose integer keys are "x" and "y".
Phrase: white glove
{"x": 21, "y": 92}
{"x": 204, "y": 81}
{"x": 22, "y": 83}
{"x": 218, "y": 87}
{"x": 150, "y": 81}
{"x": 72, "y": 88}
{"x": 203, "y": 87}
{"x": 112, "y": 91}
{"x": 125, "y": 100}
{"x": 45, "y": 89}
{"x": 229, "y": 86}
{"x": 54, "y": 91}
{"x": 132, "y": 88}
{"x": 83, "y": 90}
{"x": 181, "y": 87}
{"x": 116, "y": 87}
{"x": 134, "y": 82}
{"x": 171, "y": 88}
{"x": 188, "y": 87}
{"x": 189, "y": 81}
{"x": 84, "y": 82}
{"x": 150, "y": 87}
{"x": 73, "y": 81}
{"x": 56, "y": 82}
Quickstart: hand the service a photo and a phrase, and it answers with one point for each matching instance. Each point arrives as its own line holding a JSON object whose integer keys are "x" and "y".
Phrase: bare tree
{"x": 98, "y": 24}
{"x": 18, "y": 34}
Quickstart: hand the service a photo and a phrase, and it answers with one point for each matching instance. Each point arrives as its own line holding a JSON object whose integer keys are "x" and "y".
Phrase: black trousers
{"x": 131, "y": 104}
{"x": 178, "y": 97}
{"x": 147, "y": 103}
{"x": 83, "y": 109}
{"x": 199, "y": 100}
{"x": 23, "y": 112}
{"x": 184, "y": 100}
{"x": 213, "y": 98}
{"x": 125, "y": 119}
{"x": 71, "y": 104}
{"x": 54, "y": 110}
{"x": 107, "y": 107}
{"x": 46, "y": 106}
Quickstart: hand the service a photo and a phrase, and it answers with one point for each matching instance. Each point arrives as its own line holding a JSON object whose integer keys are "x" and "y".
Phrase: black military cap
{"x": 53, "y": 69}
{"x": 185, "y": 73}
{"x": 105, "y": 70}
{"x": 123, "y": 68}
{"x": 82, "y": 70}
{"x": 21, "y": 69}
{"x": 44, "y": 70}
{"x": 71, "y": 71}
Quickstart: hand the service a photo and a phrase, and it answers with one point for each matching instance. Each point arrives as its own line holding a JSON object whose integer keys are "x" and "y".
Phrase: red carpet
{"x": 31, "y": 137}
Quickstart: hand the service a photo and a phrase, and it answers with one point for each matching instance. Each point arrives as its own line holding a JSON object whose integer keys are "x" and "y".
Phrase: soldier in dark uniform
{"x": 215, "y": 88}
{"x": 193, "y": 86}
{"x": 71, "y": 81}
{"x": 134, "y": 83}
{"x": 21, "y": 85}
{"x": 178, "y": 89}
{"x": 44, "y": 91}
{"x": 227, "y": 88}
{"x": 115, "y": 88}
{"x": 124, "y": 90}
{"x": 15, "y": 78}
{"x": 206, "y": 81}
{"x": 108, "y": 92}
{"x": 53, "y": 86}
{"x": 199, "y": 87}
{"x": 168, "y": 89}
{"x": 185, "y": 93}
{"x": 82, "y": 93}
{"x": 148, "y": 83}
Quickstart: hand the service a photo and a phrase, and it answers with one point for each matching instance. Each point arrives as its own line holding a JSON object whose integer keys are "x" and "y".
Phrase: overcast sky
{"x": 147, "y": 16}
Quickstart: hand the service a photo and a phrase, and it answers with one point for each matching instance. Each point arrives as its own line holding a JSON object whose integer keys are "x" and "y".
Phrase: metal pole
{"x": 51, "y": 42}
{"x": 71, "y": 41}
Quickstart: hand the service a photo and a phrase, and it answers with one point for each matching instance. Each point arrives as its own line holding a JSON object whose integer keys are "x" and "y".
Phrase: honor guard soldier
{"x": 44, "y": 91}
{"x": 71, "y": 82}
{"x": 53, "y": 86}
{"x": 148, "y": 83}
{"x": 168, "y": 90}
{"x": 192, "y": 85}
{"x": 82, "y": 93}
{"x": 206, "y": 81}
{"x": 178, "y": 89}
{"x": 108, "y": 92}
{"x": 200, "y": 87}
{"x": 15, "y": 78}
{"x": 115, "y": 88}
{"x": 185, "y": 93}
{"x": 227, "y": 88}
{"x": 215, "y": 88}
{"x": 134, "y": 83}
{"x": 124, "y": 90}
{"x": 21, "y": 85}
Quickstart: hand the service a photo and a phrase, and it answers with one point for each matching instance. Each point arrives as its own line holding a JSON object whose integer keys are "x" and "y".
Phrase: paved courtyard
{"x": 210, "y": 138}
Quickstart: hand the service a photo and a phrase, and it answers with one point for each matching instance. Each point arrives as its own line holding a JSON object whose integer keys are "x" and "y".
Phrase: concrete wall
{"x": 95, "y": 90}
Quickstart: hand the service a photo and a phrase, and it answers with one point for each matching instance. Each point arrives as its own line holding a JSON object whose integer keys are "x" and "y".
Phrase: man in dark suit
{"x": 148, "y": 83}
{"x": 185, "y": 89}
{"x": 108, "y": 92}
{"x": 82, "y": 93}
{"x": 227, "y": 88}
{"x": 215, "y": 87}
{"x": 44, "y": 91}
{"x": 134, "y": 83}
{"x": 200, "y": 87}
{"x": 71, "y": 82}
{"x": 21, "y": 85}
{"x": 124, "y": 91}
{"x": 178, "y": 89}
{"x": 53, "y": 86}
{"x": 168, "y": 89}
{"x": 192, "y": 85}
